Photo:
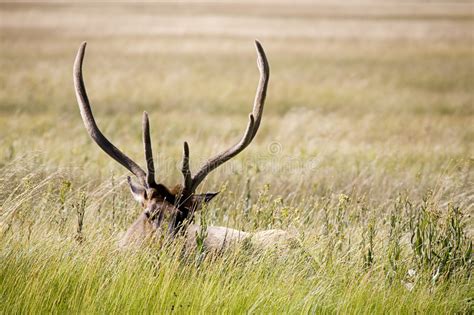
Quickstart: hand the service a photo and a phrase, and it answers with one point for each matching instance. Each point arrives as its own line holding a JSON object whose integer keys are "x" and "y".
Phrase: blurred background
{"x": 371, "y": 97}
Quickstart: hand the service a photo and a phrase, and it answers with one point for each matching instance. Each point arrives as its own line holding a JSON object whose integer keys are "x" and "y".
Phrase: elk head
{"x": 160, "y": 203}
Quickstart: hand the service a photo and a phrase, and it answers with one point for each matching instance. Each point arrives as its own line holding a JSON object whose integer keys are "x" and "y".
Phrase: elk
{"x": 171, "y": 211}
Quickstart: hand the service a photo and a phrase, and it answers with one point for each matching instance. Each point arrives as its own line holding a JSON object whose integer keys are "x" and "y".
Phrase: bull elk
{"x": 175, "y": 207}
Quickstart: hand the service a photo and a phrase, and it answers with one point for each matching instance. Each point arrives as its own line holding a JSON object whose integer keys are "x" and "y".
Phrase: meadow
{"x": 365, "y": 154}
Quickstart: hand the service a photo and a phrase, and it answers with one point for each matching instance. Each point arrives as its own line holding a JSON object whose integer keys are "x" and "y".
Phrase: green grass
{"x": 365, "y": 154}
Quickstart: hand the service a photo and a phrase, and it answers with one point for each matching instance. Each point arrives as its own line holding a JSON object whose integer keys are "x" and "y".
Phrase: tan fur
{"x": 138, "y": 232}
{"x": 216, "y": 238}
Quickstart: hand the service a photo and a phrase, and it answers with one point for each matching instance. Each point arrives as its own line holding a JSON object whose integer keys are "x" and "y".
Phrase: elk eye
{"x": 147, "y": 213}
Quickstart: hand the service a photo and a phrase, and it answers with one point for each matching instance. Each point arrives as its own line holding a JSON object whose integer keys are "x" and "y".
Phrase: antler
{"x": 150, "y": 174}
{"x": 95, "y": 133}
{"x": 148, "y": 178}
{"x": 192, "y": 182}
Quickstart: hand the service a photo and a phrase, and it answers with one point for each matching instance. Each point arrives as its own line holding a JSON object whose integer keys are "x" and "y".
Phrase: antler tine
{"x": 150, "y": 167}
{"x": 191, "y": 183}
{"x": 261, "y": 94}
{"x": 90, "y": 124}
{"x": 188, "y": 180}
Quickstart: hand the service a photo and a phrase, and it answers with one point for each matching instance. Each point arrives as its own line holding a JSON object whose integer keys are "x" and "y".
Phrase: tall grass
{"x": 59, "y": 254}
{"x": 364, "y": 155}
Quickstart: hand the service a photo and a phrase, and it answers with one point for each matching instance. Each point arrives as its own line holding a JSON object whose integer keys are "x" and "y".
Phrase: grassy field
{"x": 365, "y": 153}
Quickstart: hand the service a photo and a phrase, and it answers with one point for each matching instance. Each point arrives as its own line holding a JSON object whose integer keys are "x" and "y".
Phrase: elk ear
{"x": 138, "y": 191}
{"x": 200, "y": 199}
